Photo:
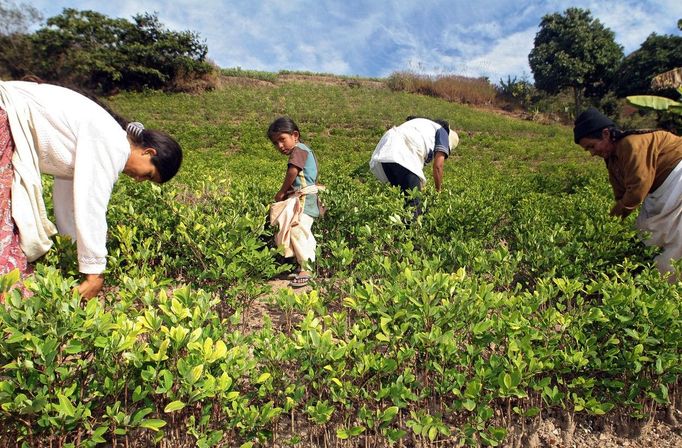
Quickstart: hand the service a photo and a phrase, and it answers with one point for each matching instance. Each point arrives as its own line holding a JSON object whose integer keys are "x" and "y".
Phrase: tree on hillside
{"x": 15, "y": 46}
{"x": 656, "y": 55}
{"x": 89, "y": 49}
{"x": 574, "y": 51}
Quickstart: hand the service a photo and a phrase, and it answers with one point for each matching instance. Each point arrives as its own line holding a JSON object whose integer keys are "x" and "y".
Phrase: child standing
{"x": 296, "y": 201}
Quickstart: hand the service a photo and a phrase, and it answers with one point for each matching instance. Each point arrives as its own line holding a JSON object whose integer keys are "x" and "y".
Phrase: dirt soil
{"x": 262, "y": 307}
{"x": 550, "y": 433}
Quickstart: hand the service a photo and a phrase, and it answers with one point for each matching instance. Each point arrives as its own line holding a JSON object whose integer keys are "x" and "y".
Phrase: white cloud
{"x": 374, "y": 38}
{"x": 509, "y": 57}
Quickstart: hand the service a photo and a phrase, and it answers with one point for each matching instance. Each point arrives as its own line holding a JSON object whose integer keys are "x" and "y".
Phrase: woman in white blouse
{"x": 47, "y": 129}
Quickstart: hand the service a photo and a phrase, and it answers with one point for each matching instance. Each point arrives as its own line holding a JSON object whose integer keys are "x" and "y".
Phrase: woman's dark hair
{"x": 282, "y": 124}
{"x": 440, "y": 121}
{"x": 168, "y": 156}
{"x": 617, "y": 134}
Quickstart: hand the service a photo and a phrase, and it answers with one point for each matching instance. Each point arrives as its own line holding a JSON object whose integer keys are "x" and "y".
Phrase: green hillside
{"x": 513, "y": 299}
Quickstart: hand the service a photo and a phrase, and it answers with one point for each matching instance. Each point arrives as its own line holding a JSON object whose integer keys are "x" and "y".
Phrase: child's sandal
{"x": 299, "y": 281}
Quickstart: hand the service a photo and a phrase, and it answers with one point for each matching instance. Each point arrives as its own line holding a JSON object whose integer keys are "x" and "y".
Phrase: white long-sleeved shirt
{"x": 85, "y": 149}
{"x": 411, "y": 145}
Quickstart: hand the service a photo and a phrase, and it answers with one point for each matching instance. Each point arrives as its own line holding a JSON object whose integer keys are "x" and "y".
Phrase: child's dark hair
{"x": 168, "y": 156}
{"x": 440, "y": 121}
{"x": 282, "y": 124}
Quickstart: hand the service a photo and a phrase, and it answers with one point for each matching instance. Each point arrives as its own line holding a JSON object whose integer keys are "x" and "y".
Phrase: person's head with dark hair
{"x": 595, "y": 132}
{"x": 593, "y": 125}
{"x": 284, "y": 134}
{"x": 154, "y": 155}
{"x": 590, "y": 123}
{"x": 443, "y": 123}
{"x": 440, "y": 121}
{"x": 282, "y": 124}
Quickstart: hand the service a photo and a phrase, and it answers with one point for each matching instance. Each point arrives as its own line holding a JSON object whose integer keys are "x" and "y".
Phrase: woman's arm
{"x": 438, "y": 162}
{"x": 101, "y": 154}
{"x": 289, "y": 178}
{"x": 62, "y": 195}
{"x": 638, "y": 167}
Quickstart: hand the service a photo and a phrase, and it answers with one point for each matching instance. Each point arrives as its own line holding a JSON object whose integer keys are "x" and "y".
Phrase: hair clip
{"x": 135, "y": 129}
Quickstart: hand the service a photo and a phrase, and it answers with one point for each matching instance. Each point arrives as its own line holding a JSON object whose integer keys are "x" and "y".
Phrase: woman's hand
{"x": 280, "y": 196}
{"x": 91, "y": 286}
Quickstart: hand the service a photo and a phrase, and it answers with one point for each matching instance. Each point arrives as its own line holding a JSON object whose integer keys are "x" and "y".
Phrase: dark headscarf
{"x": 589, "y": 122}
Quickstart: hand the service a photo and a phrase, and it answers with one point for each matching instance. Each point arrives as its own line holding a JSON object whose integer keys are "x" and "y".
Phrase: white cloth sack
{"x": 288, "y": 215}
{"x": 28, "y": 206}
{"x": 303, "y": 241}
{"x": 661, "y": 215}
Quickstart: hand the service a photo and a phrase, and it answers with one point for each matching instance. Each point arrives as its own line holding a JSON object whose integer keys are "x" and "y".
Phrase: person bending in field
{"x": 403, "y": 151}
{"x": 644, "y": 169}
{"x": 296, "y": 203}
{"x": 47, "y": 129}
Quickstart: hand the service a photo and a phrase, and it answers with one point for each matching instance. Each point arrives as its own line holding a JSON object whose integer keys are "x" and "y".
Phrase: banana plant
{"x": 669, "y": 79}
{"x": 657, "y": 102}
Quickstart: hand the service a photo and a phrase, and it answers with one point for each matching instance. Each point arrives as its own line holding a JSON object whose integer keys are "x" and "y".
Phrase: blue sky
{"x": 376, "y": 38}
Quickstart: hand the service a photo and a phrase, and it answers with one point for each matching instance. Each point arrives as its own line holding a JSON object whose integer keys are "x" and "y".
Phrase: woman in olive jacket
{"x": 644, "y": 170}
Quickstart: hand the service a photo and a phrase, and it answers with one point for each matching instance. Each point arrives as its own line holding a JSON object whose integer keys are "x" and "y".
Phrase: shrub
{"x": 89, "y": 49}
{"x": 517, "y": 91}
{"x": 460, "y": 89}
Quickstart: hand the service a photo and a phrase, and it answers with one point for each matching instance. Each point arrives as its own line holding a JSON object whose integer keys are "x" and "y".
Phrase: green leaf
{"x": 195, "y": 373}
{"x": 219, "y": 351}
{"x": 153, "y": 423}
{"x": 263, "y": 378}
{"x": 139, "y": 415}
{"x": 389, "y": 413}
{"x": 652, "y": 102}
{"x": 357, "y": 430}
{"x": 382, "y": 337}
{"x": 9, "y": 279}
{"x": 138, "y": 394}
{"x": 98, "y": 433}
{"x": 174, "y": 406}
{"x": 507, "y": 380}
{"x": 532, "y": 412}
{"x": 74, "y": 347}
{"x": 482, "y": 327}
{"x": 65, "y": 406}
{"x": 469, "y": 405}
